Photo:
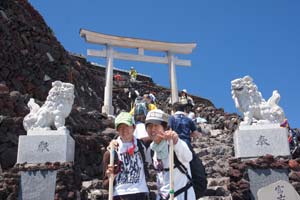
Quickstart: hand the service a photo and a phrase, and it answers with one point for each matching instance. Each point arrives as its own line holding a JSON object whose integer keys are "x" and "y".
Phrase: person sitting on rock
{"x": 129, "y": 171}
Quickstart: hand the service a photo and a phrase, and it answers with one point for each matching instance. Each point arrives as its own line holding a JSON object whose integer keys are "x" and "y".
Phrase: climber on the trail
{"x": 129, "y": 171}
{"x": 156, "y": 126}
{"x": 185, "y": 99}
{"x": 186, "y": 128}
{"x": 142, "y": 105}
{"x": 133, "y": 74}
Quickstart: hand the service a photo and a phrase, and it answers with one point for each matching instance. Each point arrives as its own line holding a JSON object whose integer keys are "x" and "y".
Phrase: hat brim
{"x": 153, "y": 121}
{"x": 127, "y": 123}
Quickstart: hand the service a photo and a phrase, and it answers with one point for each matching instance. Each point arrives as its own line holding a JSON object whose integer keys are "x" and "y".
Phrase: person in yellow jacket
{"x": 133, "y": 74}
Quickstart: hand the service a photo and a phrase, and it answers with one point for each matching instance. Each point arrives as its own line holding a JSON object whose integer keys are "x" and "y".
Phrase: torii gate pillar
{"x": 107, "y": 107}
{"x": 173, "y": 80}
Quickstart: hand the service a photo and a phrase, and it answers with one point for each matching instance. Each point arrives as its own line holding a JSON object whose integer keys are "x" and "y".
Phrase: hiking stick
{"x": 171, "y": 167}
{"x": 111, "y": 176}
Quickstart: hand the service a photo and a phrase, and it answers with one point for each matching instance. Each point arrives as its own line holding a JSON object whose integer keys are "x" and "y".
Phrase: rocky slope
{"x": 31, "y": 58}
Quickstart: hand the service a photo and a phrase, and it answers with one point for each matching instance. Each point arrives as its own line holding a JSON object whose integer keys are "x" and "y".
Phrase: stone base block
{"x": 56, "y": 147}
{"x": 258, "y": 141}
{"x": 37, "y": 185}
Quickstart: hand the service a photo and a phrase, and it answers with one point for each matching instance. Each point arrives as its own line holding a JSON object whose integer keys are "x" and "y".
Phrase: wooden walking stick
{"x": 171, "y": 168}
{"x": 111, "y": 176}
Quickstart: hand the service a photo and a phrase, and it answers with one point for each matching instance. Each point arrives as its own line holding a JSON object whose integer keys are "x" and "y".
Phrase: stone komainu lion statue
{"x": 56, "y": 108}
{"x": 250, "y": 102}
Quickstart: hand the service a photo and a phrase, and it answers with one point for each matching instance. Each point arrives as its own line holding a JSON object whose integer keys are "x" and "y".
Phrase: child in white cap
{"x": 156, "y": 126}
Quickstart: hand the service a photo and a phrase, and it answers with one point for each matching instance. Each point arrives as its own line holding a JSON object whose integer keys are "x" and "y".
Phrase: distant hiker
{"x": 153, "y": 98}
{"x": 132, "y": 95}
{"x": 133, "y": 74}
{"x": 185, "y": 99}
{"x": 129, "y": 171}
{"x": 148, "y": 99}
{"x": 183, "y": 125}
{"x": 118, "y": 79}
{"x": 168, "y": 101}
{"x": 285, "y": 124}
{"x": 142, "y": 105}
{"x": 293, "y": 139}
{"x": 192, "y": 116}
{"x": 156, "y": 126}
{"x": 186, "y": 128}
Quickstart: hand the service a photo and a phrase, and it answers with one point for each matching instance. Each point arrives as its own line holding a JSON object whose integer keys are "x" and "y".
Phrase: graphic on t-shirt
{"x": 130, "y": 169}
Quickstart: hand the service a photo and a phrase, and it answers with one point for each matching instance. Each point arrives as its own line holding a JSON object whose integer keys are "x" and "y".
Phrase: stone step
{"x": 224, "y": 181}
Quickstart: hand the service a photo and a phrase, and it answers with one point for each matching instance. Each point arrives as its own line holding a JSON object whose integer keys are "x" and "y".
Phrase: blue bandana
{"x": 161, "y": 149}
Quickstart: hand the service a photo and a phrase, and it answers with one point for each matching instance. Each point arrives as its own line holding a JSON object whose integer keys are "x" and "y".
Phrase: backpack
{"x": 198, "y": 179}
{"x": 141, "y": 107}
{"x": 198, "y": 176}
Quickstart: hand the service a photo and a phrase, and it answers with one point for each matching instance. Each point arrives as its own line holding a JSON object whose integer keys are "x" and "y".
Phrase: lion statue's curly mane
{"x": 56, "y": 108}
{"x": 249, "y": 101}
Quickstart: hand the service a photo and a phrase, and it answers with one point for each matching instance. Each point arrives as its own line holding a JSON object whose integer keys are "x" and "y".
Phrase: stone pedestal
{"x": 37, "y": 185}
{"x": 42, "y": 146}
{"x": 278, "y": 190}
{"x": 259, "y": 140}
{"x": 260, "y": 178}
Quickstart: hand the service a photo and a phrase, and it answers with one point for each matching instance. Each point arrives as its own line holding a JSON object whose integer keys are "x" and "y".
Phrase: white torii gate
{"x": 111, "y": 41}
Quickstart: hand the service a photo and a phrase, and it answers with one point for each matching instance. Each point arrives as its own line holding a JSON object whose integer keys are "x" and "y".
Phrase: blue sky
{"x": 234, "y": 39}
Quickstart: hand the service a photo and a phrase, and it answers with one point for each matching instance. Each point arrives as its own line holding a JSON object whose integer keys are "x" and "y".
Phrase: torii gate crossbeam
{"x": 140, "y": 44}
